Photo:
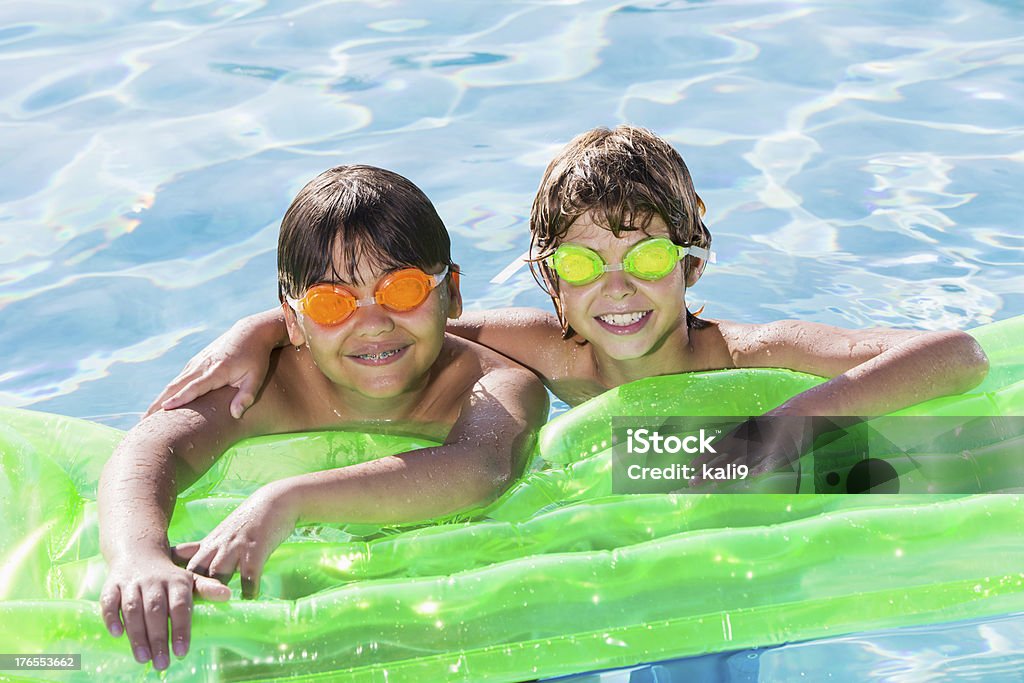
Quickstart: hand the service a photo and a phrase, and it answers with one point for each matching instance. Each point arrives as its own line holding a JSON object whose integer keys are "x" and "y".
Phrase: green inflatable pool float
{"x": 558, "y": 576}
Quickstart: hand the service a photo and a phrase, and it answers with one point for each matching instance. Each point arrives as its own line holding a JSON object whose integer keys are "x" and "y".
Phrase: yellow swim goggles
{"x": 650, "y": 259}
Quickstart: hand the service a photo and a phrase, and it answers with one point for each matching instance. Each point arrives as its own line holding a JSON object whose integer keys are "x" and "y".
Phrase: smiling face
{"x": 377, "y": 352}
{"x": 351, "y": 226}
{"x": 623, "y": 316}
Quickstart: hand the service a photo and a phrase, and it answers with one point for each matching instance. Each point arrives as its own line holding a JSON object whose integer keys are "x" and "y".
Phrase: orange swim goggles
{"x": 403, "y": 290}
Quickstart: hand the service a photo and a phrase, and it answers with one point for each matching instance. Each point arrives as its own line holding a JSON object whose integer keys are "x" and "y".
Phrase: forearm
{"x": 412, "y": 487}
{"x": 136, "y": 500}
{"x": 164, "y": 452}
{"x": 925, "y": 367}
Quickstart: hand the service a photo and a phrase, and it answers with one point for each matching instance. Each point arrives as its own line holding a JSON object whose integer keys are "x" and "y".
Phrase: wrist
{"x": 139, "y": 555}
{"x": 283, "y": 497}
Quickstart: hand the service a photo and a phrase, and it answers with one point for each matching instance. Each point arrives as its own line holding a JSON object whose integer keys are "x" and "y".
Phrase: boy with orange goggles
{"x": 366, "y": 283}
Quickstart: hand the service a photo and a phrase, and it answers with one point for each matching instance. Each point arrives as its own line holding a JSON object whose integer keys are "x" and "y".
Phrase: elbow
{"x": 497, "y": 475}
{"x": 979, "y": 365}
{"x": 499, "y": 472}
{"x": 968, "y": 360}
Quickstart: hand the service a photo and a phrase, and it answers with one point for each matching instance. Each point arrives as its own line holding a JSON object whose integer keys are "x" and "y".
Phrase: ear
{"x": 295, "y": 334}
{"x": 454, "y": 295}
{"x": 694, "y": 269}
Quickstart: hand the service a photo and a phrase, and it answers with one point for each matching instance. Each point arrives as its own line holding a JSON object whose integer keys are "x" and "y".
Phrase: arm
{"x": 485, "y": 450}
{"x": 511, "y": 332}
{"x": 137, "y": 490}
{"x": 239, "y": 357}
{"x": 873, "y": 372}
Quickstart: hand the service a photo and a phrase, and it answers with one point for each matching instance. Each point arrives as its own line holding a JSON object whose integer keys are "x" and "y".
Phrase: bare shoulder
{"x": 474, "y": 372}
{"x": 488, "y": 378}
{"x": 295, "y": 396}
{"x": 195, "y": 435}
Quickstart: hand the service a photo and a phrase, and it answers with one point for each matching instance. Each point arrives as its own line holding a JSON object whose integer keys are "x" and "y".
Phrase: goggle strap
{"x": 439, "y": 278}
{"x": 511, "y": 269}
{"x": 700, "y": 252}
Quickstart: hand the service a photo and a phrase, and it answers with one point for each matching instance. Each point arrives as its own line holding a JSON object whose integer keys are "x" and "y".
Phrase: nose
{"x": 372, "y": 321}
{"x": 616, "y": 285}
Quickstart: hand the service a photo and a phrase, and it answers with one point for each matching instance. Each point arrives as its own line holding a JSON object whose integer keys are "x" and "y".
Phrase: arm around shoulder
{"x": 529, "y": 336}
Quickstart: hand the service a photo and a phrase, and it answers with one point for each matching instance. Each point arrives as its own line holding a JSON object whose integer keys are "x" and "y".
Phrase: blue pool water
{"x": 861, "y": 162}
{"x": 990, "y": 650}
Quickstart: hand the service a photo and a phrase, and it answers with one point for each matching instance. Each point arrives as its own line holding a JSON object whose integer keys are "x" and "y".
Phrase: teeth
{"x": 622, "y": 319}
{"x": 378, "y": 356}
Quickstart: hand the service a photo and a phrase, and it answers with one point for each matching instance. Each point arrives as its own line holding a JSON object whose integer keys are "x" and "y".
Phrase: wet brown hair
{"x": 626, "y": 176}
{"x": 376, "y": 216}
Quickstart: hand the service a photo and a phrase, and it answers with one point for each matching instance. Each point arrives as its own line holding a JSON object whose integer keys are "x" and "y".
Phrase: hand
{"x": 243, "y": 541}
{"x": 766, "y": 444}
{"x": 239, "y": 358}
{"x": 144, "y": 592}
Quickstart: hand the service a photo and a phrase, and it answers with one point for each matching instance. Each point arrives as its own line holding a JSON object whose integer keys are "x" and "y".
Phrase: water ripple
{"x": 860, "y": 163}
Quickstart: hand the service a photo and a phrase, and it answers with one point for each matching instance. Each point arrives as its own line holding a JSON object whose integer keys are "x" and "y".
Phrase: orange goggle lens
{"x": 328, "y": 304}
{"x": 403, "y": 290}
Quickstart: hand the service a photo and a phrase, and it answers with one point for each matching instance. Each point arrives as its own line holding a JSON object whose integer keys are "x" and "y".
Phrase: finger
{"x": 251, "y": 569}
{"x": 135, "y": 623}
{"x": 243, "y": 399}
{"x": 201, "y": 385}
{"x": 179, "y": 598}
{"x": 172, "y": 387}
{"x": 200, "y": 562}
{"x": 182, "y": 553}
{"x": 155, "y": 601}
{"x": 153, "y": 407}
{"x": 223, "y": 566}
{"x": 110, "y": 609}
{"x": 211, "y": 589}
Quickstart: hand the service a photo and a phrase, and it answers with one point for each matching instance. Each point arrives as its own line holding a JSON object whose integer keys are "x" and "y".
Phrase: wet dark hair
{"x": 374, "y": 215}
{"x": 626, "y": 176}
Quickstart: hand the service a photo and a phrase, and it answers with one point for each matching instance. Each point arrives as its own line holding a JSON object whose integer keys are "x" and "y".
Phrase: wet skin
{"x": 485, "y": 408}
